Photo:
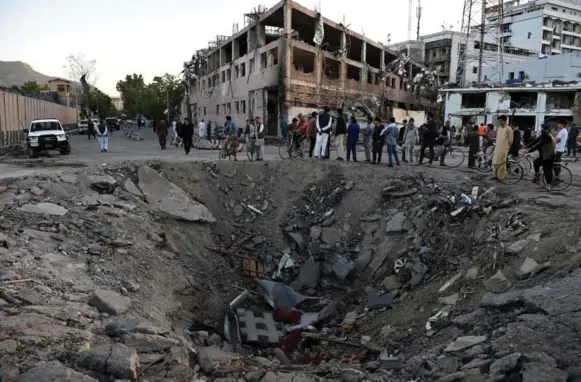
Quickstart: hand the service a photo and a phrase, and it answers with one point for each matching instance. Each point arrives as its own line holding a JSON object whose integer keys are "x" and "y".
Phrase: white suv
{"x": 47, "y": 134}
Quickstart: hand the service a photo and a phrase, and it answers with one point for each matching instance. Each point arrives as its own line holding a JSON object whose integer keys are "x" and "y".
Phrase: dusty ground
{"x": 173, "y": 279}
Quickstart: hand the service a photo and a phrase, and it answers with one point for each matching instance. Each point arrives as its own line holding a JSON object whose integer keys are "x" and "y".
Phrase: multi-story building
{"x": 548, "y": 27}
{"x": 560, "y": 68}
{"x": 534, "y": 92}
{"x": 446, "y": 52}
{"x": 273, "y": 68}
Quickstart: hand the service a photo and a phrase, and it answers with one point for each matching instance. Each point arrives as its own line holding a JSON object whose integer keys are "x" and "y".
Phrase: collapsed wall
{"x": 277, "y": 272}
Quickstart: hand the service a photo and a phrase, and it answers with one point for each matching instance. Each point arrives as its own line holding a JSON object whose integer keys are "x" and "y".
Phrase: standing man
{"x": 473, "y": 146}
{"x": 378, "y": 140}
{"x": 91, "y": 129}
{"x": 187, "y": 135}
{"x": 259, "y": 139}
{"x": 162, "y": 131}
{"x": 504, "y": 140}
{"x": 572, "y": 140}
{"x": 352, "y": 138}
{"x": 312, "y": 132}
{"x": 429, "y": 138}
{"x": 561, "y": 140}
{"x": 391, "y": 133}
{"x": 546, "y": 145}
{"x": 324, "y": 122}
{"x": 202, "y": 129}
{"x": 103, "y": 134}
{"x": 409, "y": 140}
{"x": 340, "y": 131}
{"x": 400, "y": 137}
{"x": 367, "y": 138}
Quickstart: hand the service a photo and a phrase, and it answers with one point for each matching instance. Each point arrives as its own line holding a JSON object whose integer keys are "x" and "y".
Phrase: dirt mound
{"x": 276, "y": 271}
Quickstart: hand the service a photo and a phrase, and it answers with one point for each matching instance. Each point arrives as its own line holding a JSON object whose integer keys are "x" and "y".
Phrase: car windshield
{"x": 44, "y": 126}
{"x": 84, "y": 122}
{"x": 111, "y": 119}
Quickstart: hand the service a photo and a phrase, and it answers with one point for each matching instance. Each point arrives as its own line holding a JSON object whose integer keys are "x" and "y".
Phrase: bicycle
{"x": 225, "y": 152}
{"x": 562, "y": 181}
{"x": 452, "y": 157}
{"x": 291, "y": 147}
{"x": 514, "y": 171}
{"x": 251, "y": 149}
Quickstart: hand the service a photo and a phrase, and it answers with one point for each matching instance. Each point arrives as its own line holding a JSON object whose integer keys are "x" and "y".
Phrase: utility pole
{"x": 419, "y": 17}
{"x": 481, "y": 50}
{"x": 501, "y": 44}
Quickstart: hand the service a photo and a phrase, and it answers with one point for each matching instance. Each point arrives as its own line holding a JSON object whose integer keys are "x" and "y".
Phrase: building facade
{"x": 117, "y": 102}
{"x": 548, "y": 27}
{"x": 455, "y": 57}
{"x": 564, "y": 67}
{"x": 526, "y": 106}
{"x": 62, "y": 90}
{"x": 272, "y": 68}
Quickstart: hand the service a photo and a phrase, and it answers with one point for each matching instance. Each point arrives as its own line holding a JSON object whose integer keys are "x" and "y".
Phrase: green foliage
{"x": 33, "y": 87}
{"x": 101, "y": 104}
{"x": 151, "y": 100}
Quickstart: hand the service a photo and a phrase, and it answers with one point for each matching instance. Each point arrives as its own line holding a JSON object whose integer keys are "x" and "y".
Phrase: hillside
{"x": 18, "y": 72}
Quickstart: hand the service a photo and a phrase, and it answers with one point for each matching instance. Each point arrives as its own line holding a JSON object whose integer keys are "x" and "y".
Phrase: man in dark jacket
{"x": 473, "y": 146}
{"x": 340, "y": 131}
{"x": 546, "y": 146}
{"x": 91, "y": 129}
{"x": 516, "y": 142}
{"x": 162, "y": 131}
{"x": 429, "y": 138}
{"x": 572, "y": 140}
{"x": 187, "y": 133}
{"x": 378, "y": 140}
{"x": 400, "y": 137}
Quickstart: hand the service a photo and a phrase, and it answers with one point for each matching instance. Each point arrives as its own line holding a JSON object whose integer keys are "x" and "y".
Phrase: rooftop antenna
{"x": 419, "y": 17}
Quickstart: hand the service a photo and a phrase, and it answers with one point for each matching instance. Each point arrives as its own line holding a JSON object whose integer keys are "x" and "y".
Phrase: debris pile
{"x": 232, "y": 272}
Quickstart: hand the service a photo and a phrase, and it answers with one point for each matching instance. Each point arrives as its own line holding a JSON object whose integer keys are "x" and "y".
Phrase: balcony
{"x": 571, "y": 33}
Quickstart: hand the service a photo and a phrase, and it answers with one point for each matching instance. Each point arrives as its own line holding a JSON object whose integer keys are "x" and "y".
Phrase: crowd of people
{"x": 319, "y": 129}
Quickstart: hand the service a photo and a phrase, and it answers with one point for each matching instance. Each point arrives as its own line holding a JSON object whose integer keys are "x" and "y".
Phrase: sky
{"x": 153, "y": 37}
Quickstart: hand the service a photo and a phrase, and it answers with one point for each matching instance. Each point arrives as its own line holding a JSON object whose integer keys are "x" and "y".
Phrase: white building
{"x": 532, "y": 106}
{"x": 446, "y": 52}
{"x": 545, "y": 26}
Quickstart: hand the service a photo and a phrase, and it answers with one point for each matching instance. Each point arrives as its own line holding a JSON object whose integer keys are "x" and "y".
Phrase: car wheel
{"x": 66, "y": 150}
{"x": 32, "y": 153}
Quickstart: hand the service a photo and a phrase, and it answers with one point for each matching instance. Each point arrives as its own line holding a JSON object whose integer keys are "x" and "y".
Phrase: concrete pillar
{"x": 251, "y": 39}
{"x": 260, "y": 35}
{"x": 343, "y": 68}
{"x": 287, "y": 58}
{"x": 222, "y": 55}
{"x": 365, "y": 67}
{"x": 541, "y": 110}
{"x": 235, "y": 49}
{"x": 577, "y": 109}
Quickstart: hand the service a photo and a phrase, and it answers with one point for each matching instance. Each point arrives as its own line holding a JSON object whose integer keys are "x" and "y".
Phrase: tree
{"x": 33, "y": 87}
{"x": 131, "y": 90}
{"x": 81, "y": 72}
{"x": 151, "y": 100}
{"x": 101, "y": 104}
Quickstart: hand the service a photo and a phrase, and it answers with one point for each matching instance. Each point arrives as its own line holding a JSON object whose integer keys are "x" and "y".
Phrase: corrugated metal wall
{"x": 17, "y": 111}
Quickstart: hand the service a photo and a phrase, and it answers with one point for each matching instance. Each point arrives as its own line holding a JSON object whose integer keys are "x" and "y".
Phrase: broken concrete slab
{"x": 316, "y": 232}
{"x": 164, "y": 196}
{"x": 397, "y": 224}
{"x": 462, "y": 343}
{"x": 308, "y": 277}
{"x": 530, "y": 267}
{"x": 450, "y": 300}
{"x": 505, "y": 364}
{"x": 117, "y": 359}
{"x": 498, "y": 283}
{"x": 391, "y": 283}
{"x": 331, "y": 235}
{"x": 117, "y": 327}
{"x": 110, "y": 302}
{"x": 539, "y": 372}
{"x": 44, "y": 208}
{"x": 337, "y": 266}
{"x": 212, "y": 359}
{"x": 517, "y": 247}
{"x": 375, "y": 301}
{"x": 52, "y": 371}
{"x": 130, "y": 187}
{"x": 149, "y": 343}
{"x": 36, "y": 191}
{"x": 450, "y": 282}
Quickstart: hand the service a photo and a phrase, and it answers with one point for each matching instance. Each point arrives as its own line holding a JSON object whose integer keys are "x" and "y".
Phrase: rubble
{"x": 345, "y": 283}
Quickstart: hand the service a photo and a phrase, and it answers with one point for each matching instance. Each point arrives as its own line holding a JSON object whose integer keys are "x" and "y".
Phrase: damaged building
{"x": 288, "y": 60}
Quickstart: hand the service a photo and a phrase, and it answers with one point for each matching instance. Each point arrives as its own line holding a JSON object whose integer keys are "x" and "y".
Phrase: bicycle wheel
{"x": 454, "y": 158}
{"x": 222, "y": 154}
{"x": 295, "y": 152}
{"x": 561, "y": 182}
{"x": 514, "y": 172}
{"x": 527, "y": 165}
{"x": 283, "y": 151}
{"x": 250, "y": 151}
{"x": 484, "y": 163}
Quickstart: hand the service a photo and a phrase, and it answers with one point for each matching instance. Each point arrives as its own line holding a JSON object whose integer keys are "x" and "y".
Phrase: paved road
{"x": 87, "y": 152}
